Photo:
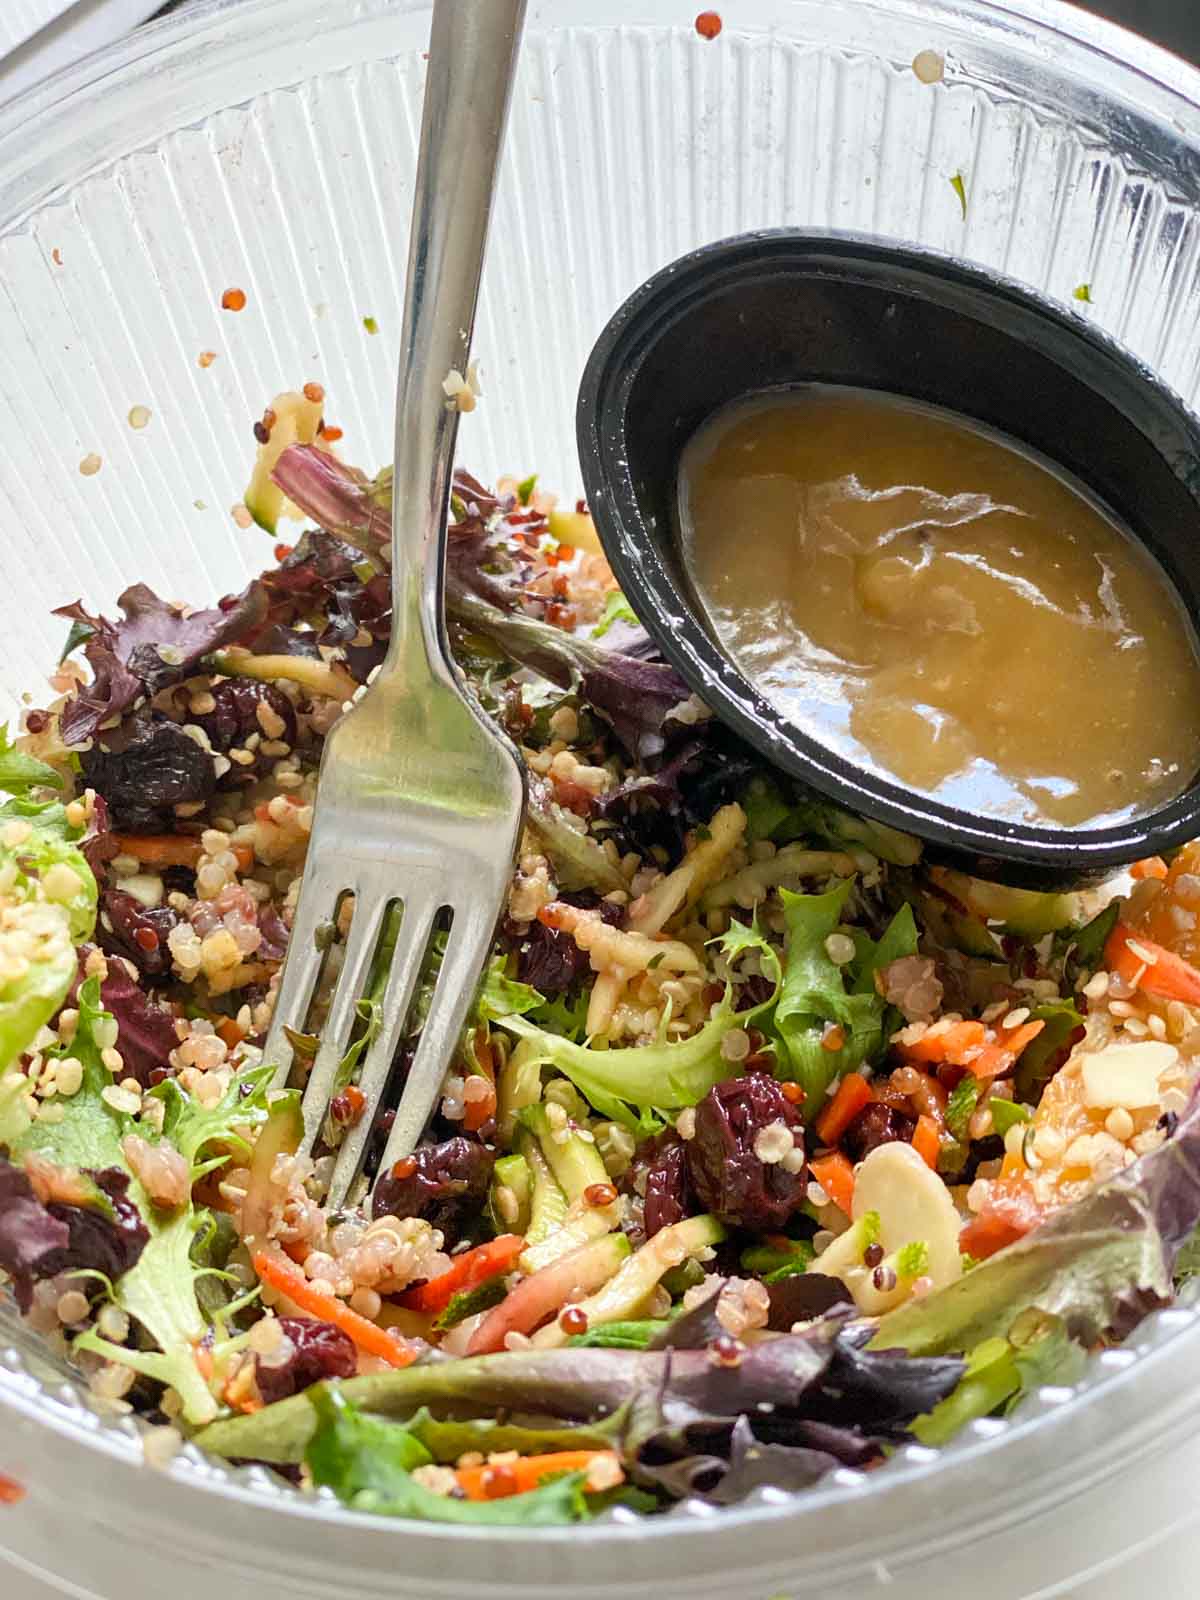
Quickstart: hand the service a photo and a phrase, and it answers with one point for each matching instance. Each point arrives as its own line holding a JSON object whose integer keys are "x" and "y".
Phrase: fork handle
{"x": 472, "y": 55}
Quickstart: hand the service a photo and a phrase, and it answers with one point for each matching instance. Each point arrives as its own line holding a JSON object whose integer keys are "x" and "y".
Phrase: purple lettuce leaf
{"x": 139, "y": 933}
{"x": 39, "y": 1241}
{"x": 98, "y": 844}
{"x": 153, "y": 646}
{"x": 145, "y": 1031}
{"x": 635, "y": 696}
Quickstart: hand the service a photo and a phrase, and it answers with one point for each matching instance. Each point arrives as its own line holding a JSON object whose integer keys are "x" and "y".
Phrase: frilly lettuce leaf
{"x": 662, "y": 1076}
{"x": 816, "y": 991}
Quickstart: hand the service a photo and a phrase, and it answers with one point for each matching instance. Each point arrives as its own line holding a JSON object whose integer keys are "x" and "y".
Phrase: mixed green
{"x": 768, "y": 1147}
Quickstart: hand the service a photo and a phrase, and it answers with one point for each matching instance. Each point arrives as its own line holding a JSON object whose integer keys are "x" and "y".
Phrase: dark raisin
{"x": 728, "y": 1178}
{"x": 874, "y": 1125}
{"x": 236, "y": 716}
{"x": 666, "y": 1184}
{"x": 319, "y": 1350}
{"x": 444, "y": 1183}
{"x": 149, "y": 766}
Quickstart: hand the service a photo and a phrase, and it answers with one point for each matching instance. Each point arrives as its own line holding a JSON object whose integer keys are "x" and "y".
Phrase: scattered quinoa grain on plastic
{"x": 90, "y": 465}
{"x": 709, "y": 24}
{"x": 206, "y": 358}
{"x": 139, "y": 417}
{"x": 929, "y": 66}
{"x": 233, "y": 300}
{"x": 241, "y": 516}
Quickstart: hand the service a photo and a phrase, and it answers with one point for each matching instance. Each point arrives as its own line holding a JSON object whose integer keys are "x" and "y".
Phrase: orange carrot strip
{"x": 527, "y": 1472}
{"x": 160, "y": 849}
{"x": 951, "y": 1044}
{"x": 1165, "y": 974}
{"x": 477, "y": 1112}
{"x": 998, "y": 1058}
{"x": 245, "y": 858}
{"x": 229, "y": 1033}
{"x": 467, "y": 1271}
{"x": 836, "y": 1176}
{"x": 853, "y": 1093}
{"x": 1151, "y": 867}
{"x": 926, "y": 1142}
{"x": 288, "y": 1279}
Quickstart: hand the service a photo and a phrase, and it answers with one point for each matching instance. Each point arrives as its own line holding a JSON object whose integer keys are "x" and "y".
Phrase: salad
{"x": 768, "y": 1147}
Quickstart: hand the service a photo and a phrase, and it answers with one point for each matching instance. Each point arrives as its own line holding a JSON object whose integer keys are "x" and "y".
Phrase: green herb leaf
{"x": 960, "y": 1107}
{"x": 1035, "y": 1063}
{"x": 621, "y": 1335}
{"x": 370, "y": 324}
{"x": 526, "y": 487}
{"x": 470, "y": 1302}
{"x": 616, "y": 609}
{"x": 1084, "y": 292}
{"x": 958, "y": 184}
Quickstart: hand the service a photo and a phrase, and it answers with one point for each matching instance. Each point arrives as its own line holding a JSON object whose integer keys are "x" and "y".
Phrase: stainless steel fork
{"x": 420, "y": 798}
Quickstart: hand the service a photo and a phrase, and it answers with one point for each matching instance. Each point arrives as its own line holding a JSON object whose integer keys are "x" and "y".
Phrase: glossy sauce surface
{"x": 934, "y": 602}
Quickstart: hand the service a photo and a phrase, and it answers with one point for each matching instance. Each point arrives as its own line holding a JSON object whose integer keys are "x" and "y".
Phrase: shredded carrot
{"x": 836, "y": 1176}
{"x": 173, "y": 850}
{"x": 926, "y": 1142}
{"x": 229, "y": 1033}
{"x": 1151, "y": 966}
{"x": 853, "y": 1093}
{"x": 1010, "y": 1213}
{"x": 527, "y": 1472}
{"x": 997, "y": 1058}
{"x": 949, "y": 1044}
{"x": 467, "y": 1271}
{"x": 289, "y": 1280}
{"x": 1151, "y": 867}
{"x": 477, "y": 1112}
{"x": 160, "y": 849}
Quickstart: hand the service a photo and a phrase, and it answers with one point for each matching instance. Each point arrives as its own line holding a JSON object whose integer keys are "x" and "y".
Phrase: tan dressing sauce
{"x": 937, "y": 603}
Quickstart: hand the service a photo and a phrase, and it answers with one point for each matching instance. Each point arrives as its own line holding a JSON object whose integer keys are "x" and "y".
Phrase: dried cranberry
{"x": 139, "y": 932}
{"x": 235, "y": 717}
{"x": 729, "y": 1179}
{"x": 665, "y": 1164}
{"x": 319, "y": 1350}
{"x": 445, "y": 1183}
{"x": 149, "y": 766}
{"x": 874, "y": 1125}
{"x": 549, "y": 960}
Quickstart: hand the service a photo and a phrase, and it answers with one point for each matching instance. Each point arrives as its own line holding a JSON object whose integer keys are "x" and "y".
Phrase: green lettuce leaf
{"x": 19, "y": 773}
{"x": 655, "y": 1077}
{"x": 369, "y": 1464}
{"x": 815, "y": 994}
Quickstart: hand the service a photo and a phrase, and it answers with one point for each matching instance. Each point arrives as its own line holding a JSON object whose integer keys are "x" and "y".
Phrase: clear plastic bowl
{"x": 269, "y": 146}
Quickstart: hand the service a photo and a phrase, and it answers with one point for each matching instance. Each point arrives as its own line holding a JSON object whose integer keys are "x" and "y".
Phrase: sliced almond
{"x": 1126, "y": 1075}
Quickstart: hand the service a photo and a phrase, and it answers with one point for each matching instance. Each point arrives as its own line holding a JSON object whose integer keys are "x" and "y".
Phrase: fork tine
{"x": 470, "y": 939}
{"x": 416, "y": 922}
{"x": 365, "y": 927}
{"x": 318, "y": 900}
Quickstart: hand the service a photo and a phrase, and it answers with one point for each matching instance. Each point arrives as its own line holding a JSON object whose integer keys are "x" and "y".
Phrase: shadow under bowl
{"x": 773, "y": 309}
